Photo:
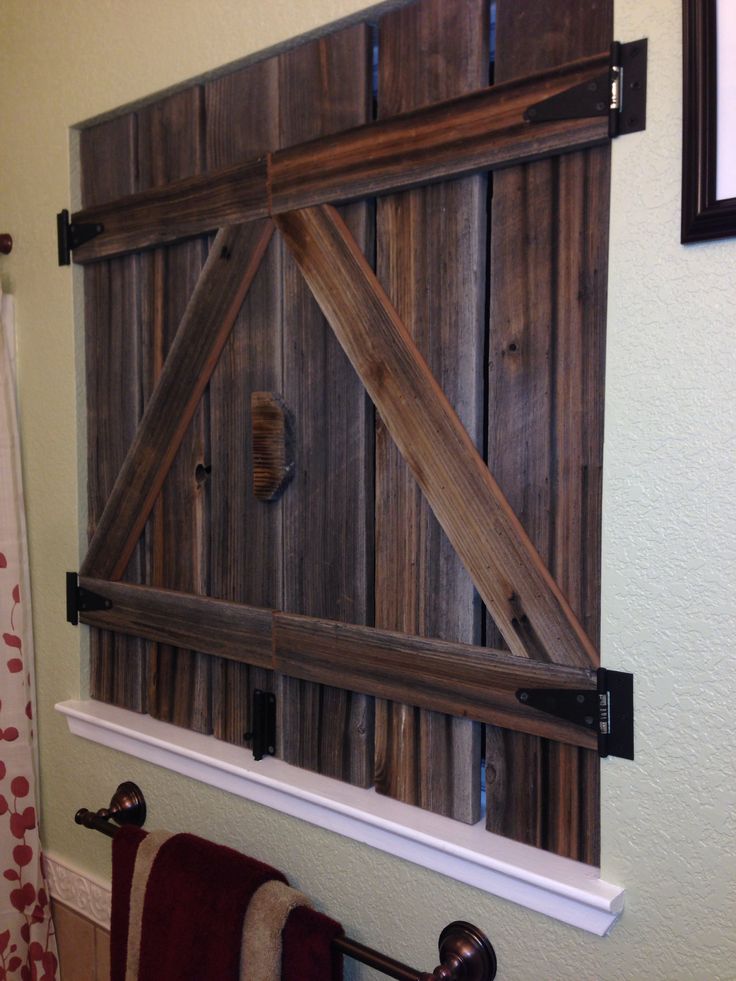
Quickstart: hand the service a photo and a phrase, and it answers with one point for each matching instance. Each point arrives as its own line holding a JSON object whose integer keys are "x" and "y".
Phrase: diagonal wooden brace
{"x": 527, "y": 605}
{"x": 231, "y": 266}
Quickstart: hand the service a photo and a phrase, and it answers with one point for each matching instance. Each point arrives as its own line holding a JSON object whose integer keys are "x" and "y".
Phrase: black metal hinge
{"x": 263, "y": 722}
{"x": 620, "y": 93}
{"x": 71, "y": 234}
{"x": 607, "y": 710}
{"x": 80, "y": 600}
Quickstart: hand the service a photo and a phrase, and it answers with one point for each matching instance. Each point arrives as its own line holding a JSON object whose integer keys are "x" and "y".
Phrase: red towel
{"x": 307, "y": 947}
{"x": 195, "y": 902}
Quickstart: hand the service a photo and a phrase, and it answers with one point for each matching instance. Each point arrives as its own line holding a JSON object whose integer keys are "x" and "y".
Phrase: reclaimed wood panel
{"x": 170, "y": 148}
{"x": 325, "y": 87}
{"x": 481, "y": 131}
{"x": 241, "y": 121}
{"x": 230, "y": 268}
{"x": 114, "y": 392}
{"x": 548, "y": 261}
{"x": 430, "y": 259}
{"x": 506, "y": 569}
{"x": 177, "y": 210}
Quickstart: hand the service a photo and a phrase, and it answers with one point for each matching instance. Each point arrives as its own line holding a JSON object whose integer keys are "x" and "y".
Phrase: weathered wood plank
{"x": 180, "y": 209}
{"x": 241, "y": 121}
{"x": 324, "y": 87}
{"x": 430, "y": 259}
{"x": 480, "y": 131}
{"x": 170, "y": 147}
{"x": 484, "y": 130}
{"x": 230, "y": 630}
{"x": 511, "y": 578}
{"x": 113, "y": 387}
{"x": 232, "y": 263}
{"x": 462, "y": 679}
{"x": 548, "y": 258}
{"x": 458, "y": 679}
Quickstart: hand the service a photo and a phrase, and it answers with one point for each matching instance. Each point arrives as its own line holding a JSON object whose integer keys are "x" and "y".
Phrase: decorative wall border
{"x": 85, "y": 894}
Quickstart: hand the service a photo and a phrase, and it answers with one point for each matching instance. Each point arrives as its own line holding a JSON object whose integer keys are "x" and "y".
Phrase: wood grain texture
{"x": 170, "y": 148}
{"x": 512, "y": 580}
{"x": 548, "y": 261}
{"x": 324, "y": 87}
{"x": 462, "y": 679}
{"x": 430, "y": 259}
{"x": 481, "y": 131}
{"x": 182, "y": 620}
{"x": 458, "y": 679}
{"x": 241, "y": 121}
{"x": 177, "y": 210}
{"x": 113, "y": 347}
{"x": 232, "y": 263}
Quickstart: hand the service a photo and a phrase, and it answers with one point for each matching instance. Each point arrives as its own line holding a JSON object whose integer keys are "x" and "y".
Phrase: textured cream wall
{"x": 669, "y": 513}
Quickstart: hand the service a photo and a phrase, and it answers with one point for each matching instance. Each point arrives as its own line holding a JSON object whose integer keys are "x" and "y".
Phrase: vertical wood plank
{"x": 430, "y": 259}
{"x": 170, "y": 146}
{"x": 324, "y": 87}
{"x": 549, "y": 237}
{"x": 245, "y": 534}
{"x": 114, "y": 397}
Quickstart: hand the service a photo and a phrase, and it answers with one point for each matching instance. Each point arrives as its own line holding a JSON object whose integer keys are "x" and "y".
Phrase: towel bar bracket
{"x": 127, "y": 806}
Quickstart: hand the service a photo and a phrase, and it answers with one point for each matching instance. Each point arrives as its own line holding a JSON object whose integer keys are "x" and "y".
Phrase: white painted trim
{"x": 568, "y": 891}
{"x": 84, "y": 893}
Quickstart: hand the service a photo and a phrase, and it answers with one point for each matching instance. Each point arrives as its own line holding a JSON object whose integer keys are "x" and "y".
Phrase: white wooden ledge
{"x": 565, "y": 890}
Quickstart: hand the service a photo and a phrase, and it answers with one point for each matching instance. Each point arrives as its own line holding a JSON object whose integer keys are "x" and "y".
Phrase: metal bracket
{"x": 620, "y": 93}
{"x": 70, "y": 234}
{"x": 80, "y": 600}
{"x": 263, "y": 733}
{"x": 607, "y": 710}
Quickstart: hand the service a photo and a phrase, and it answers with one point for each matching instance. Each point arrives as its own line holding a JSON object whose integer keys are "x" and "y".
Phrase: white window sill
{"x": 566, "y": 890}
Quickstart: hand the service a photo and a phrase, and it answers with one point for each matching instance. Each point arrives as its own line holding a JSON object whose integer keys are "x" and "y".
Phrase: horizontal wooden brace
{"x": 199, "y": 623}
{"x": 457, "y": 679}
{"x": 178, "y": 210}
{"x": 483, "y": 130}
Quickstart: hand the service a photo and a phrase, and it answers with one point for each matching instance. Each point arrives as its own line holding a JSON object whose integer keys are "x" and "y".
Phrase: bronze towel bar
{"x": 6, "y": 243}
{"x": 466, "y": 954}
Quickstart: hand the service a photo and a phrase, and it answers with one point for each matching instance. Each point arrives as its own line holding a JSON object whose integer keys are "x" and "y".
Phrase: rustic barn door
{"x": 391, "y": 575}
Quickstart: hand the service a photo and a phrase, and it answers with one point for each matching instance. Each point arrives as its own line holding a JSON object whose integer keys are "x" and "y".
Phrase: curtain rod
{"x": 466, "y": 954}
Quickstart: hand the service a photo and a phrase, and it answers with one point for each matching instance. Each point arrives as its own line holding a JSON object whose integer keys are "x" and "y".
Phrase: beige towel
{"x": 144, "y": 859}
{"x": 265, "y": 918}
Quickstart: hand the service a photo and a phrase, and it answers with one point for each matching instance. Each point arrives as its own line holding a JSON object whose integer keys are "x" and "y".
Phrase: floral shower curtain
{"x": 27, "y": 941}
